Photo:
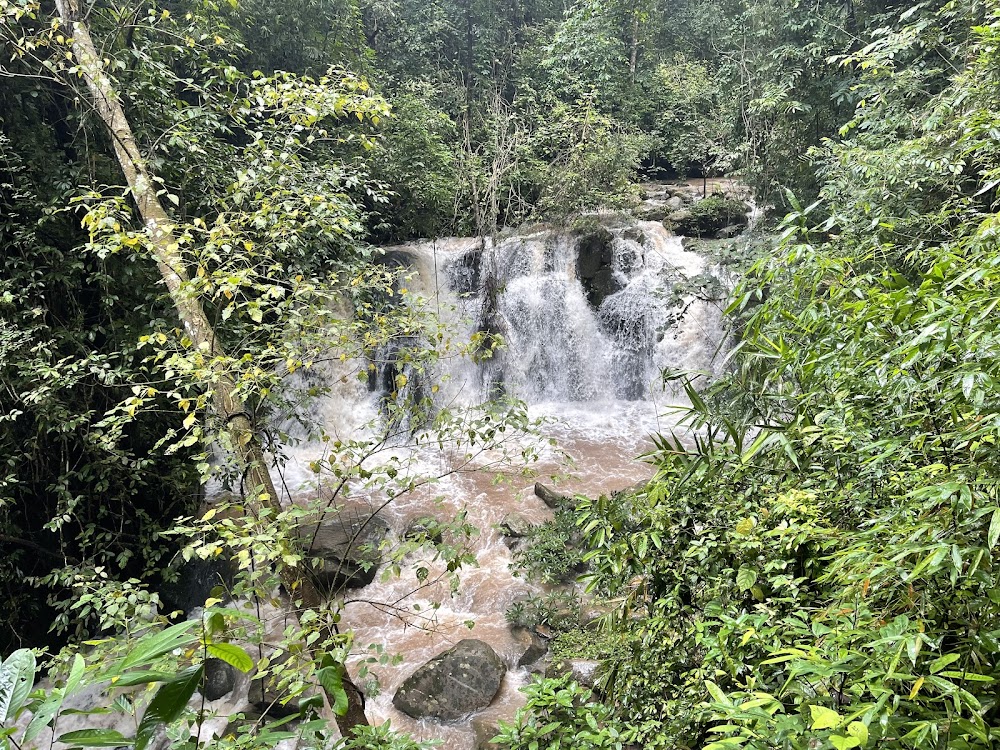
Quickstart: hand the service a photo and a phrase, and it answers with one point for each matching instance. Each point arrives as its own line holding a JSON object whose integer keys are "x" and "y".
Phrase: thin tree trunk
{"x": 633, "y": 57}
{"x": 229, "y": 406}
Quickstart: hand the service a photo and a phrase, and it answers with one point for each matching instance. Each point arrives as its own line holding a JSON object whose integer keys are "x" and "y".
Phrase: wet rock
{"x": 534, "y": 646}
{"x": 346, "y": 549}
{"x": 635, "y": 234}
{"x": 707, "y": 217}
{"x": 584, "y": 671}
{"x": 595, "y": 265}
{"x": 453, "y": 684}
{"x": 195, "y": 581}
{"x": 652, "y": 212}
{"x": 424, "y": 529}
{"x": 466, "y": 272}
{"x": 484, "y": 730}
{"x": 676, "y": 203}
{"x": 220, "y": 679}
{"x": 594, "y": 251}
{"x": 727, "y": 233}
{"x": 515, "y": 526}
{"x": 552, "y": 498}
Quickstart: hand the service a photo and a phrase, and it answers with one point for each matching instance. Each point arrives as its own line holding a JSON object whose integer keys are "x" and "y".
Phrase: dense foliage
{"x": 817, "y": 570}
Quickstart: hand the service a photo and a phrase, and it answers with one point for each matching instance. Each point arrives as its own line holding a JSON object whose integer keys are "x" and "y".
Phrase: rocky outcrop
{"x": 709, "y": 218}
{"x": 453, "y": 684}
{"x": 584, "y": 671}
{"x": 514, "y": 528}
{"x": 195, "y": 581}
{"x": 533, "y": 645}
{"x": 595, "y": 265}
{"x": 552, "y": 498}
{"x": 484, "y": 730}
{"x": 346, "y": 550}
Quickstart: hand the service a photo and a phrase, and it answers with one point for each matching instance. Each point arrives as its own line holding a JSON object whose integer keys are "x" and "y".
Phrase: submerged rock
{"x": 453, "y": 684}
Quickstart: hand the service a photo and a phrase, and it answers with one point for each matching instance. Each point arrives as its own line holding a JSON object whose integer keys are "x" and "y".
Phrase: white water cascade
{"x": 588, "y": 330}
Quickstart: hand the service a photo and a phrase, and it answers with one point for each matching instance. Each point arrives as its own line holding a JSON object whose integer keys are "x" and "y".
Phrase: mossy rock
{"x": 708, "y": 217}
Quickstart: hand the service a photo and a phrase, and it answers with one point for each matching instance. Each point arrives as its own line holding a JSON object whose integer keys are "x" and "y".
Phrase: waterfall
{"x": 588, "y": 319}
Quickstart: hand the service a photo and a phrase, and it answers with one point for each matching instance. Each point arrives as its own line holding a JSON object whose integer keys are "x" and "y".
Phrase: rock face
{"x": 346, "y": 549}
{"x": 595, "y": 265}
{"x": 453, "y": 684}
{"x": 196, "y": 581}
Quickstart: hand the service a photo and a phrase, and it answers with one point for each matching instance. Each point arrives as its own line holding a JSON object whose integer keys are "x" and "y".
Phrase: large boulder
{"x": 708, "y": 217}
{"x": 453, "y": 684}
{"x": 595, "y": 265}
{"x": 220, "y": 679}
{"x": 346, "y": 550}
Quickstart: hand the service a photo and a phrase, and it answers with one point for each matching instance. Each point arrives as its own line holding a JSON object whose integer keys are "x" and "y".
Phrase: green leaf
{"x": 231, "y": 654}
{"x": 17, "y": 675}
{"x": 859, "y": 730}
{"x": 746, "y": 578}
{"x": 717, "y": 694}
{"x": 143, "y": 677}
{"x": 75, "y": 674}
{"x": 844, "y": 743}
{"x": 332, "y": 680}
{"x": 824, "y": 718}
{"x": 43, "y": 715}
{"x": 157, "y": 644}
{"x": 168, "y": 703}
{"x": 943, "y": 661}
{"x": 94, "y": 738}
{"x": 994, "y": 533}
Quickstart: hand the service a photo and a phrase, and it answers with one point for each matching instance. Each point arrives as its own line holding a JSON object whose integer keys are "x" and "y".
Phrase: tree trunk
{"x": 231, "y": 410}
{"x": 633, "y": 55}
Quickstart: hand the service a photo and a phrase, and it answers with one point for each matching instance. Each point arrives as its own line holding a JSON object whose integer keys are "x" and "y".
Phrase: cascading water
{"x": 589, "y": 321}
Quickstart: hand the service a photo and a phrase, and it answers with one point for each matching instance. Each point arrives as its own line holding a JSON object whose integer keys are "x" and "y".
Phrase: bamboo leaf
{"x": 168, "y": 703}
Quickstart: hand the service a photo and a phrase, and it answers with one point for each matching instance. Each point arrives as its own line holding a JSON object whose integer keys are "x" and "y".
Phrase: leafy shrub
{"x": 561, "y": 714}
{"x": 551, "y": 551}
{"x": 559, "y": 610}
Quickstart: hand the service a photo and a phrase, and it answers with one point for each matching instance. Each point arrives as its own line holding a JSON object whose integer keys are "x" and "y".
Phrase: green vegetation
{"x": 187, "y": 230}
{"x": 819, "y": 569}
